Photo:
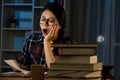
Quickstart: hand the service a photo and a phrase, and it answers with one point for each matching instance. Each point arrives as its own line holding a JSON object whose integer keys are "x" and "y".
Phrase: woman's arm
{"x": 49, "y": 56}
{"x": 53, "y": 34}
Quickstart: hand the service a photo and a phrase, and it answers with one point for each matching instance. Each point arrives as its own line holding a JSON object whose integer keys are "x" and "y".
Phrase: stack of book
{"x": 78, "y": 61}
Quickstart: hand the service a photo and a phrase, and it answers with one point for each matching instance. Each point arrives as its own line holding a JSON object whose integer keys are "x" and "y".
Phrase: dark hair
{"x": 60, "y": 14}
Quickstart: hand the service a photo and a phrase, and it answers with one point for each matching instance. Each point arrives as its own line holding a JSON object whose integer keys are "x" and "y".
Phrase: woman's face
{"x": 47, "y": 21}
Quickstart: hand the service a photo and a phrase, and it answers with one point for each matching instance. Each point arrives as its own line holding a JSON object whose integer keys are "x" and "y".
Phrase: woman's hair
{"x": 60, "y": 14}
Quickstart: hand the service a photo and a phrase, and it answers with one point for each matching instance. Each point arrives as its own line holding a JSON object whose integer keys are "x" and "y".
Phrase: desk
{"x": 15, "y": 78}
{"x": 37, "y": 73}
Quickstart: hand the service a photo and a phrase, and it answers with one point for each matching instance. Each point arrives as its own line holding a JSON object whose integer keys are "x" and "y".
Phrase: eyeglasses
{"x": 50, "y": 21}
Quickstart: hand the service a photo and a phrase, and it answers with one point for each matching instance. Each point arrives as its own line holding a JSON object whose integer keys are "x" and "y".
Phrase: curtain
{"x": 87, "y": 19}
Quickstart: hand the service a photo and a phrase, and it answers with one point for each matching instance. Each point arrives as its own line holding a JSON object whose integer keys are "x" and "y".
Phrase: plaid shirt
{"x": 33, "y": 50}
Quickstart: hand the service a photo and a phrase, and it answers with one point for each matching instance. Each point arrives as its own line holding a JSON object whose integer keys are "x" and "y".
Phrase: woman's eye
{"x": 43, "y": 19}
{"x": 52, "y": 21}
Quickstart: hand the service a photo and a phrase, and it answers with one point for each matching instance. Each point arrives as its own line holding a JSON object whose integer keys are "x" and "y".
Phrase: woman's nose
{"x": 47, "y": 22}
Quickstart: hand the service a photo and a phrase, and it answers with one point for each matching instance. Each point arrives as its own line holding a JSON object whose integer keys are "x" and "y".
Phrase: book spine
{"x": 77, "y": 51}
{"x": 61, "y": 51}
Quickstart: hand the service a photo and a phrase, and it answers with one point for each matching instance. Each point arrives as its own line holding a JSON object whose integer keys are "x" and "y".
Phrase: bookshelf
{"x": 18, "y": 17}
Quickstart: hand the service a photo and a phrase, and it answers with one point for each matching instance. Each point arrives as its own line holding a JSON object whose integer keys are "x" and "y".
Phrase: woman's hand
{"x": 53, "y": 34}
{"x": 21, "y": 66}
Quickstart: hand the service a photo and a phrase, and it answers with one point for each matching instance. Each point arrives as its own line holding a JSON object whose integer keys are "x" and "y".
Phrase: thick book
{"x": 74, "y": 74}
{"x": 14, "y": 78}
{"x": 14, "y": 64}
{"x": 54, "y": 78}
{"x": 77, "y": 59}
{"x": 73, "y": 66}
{"x": 75, "y": 45}
{"x": 76, "y": 51}
{"x": 16, "y": 74}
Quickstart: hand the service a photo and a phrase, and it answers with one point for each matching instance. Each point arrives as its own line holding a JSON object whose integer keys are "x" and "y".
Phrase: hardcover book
{"x": 74, "y": 74}
{"x": 14, "y": 64}
{"x": 76, "y": 51}
{"x": 76, "y": 45}
{"x": 54, "y": 78}
{"x": 77, "y": 59}
{"x": 77, "y": 66}
{"x": 76, "y": 48}
{"x": 17, "y": 74}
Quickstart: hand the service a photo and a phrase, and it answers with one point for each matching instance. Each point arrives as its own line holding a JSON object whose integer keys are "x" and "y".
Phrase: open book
{"x": 14, "y": 64}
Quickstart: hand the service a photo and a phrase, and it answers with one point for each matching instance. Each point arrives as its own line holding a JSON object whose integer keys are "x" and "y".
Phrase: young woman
{"x": 37, "y": 48}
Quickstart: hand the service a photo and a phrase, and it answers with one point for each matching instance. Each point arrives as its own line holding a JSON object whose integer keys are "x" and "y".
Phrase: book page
{"x": 14, "y": 74}
{"x": 14, "y": 64}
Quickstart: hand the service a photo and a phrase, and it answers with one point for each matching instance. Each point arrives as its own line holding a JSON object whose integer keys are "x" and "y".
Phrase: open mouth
{"x": 45, "y": 31}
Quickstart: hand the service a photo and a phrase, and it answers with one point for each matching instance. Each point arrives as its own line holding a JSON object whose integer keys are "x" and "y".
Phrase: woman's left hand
{"x": 53, "y": 34}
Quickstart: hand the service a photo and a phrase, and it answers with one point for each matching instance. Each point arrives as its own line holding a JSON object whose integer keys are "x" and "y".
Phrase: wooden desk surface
{"x": 15, "y": 78}
{"x": 3, "y": 78}
{"x": 37, "y": 74}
